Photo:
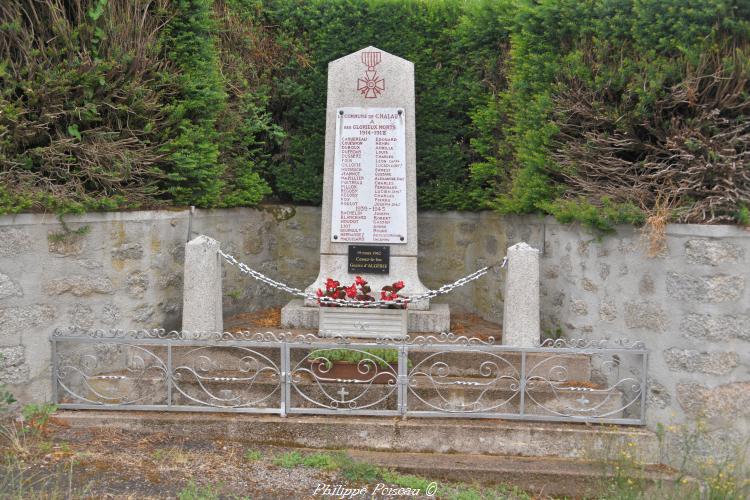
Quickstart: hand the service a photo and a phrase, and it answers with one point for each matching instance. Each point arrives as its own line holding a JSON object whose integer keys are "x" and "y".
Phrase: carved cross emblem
{"x": 371, "y": 85}
{"x": 343, "y": 393}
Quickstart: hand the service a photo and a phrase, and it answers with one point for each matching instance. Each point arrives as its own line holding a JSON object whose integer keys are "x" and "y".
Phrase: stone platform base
{"x": 562, "y": 460}
{"x": 419, "y": 435}
{"x": 435, "y": 320}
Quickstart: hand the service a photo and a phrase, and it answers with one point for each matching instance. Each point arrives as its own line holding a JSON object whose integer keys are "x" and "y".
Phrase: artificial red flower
{"x": 384, "y": 295}
{"x": 319, "y": 293}
{"x": 398, "y": 285}
{"x": 359, "y": 281}
{"x": 331, "y": 284}
{"x": 351, "y": 291}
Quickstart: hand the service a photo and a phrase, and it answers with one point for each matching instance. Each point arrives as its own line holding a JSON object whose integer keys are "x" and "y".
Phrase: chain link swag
{"x": 447, "y": 288}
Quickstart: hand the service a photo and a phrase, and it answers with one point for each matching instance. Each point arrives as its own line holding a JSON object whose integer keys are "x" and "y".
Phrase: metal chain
{"x": 447, "y": 288}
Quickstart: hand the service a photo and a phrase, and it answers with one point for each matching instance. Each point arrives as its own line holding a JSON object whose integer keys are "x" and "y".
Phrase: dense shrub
{"x": 123, "y": 104}
{"x": 598, "y": 111}
{"x": 643, "y": 104}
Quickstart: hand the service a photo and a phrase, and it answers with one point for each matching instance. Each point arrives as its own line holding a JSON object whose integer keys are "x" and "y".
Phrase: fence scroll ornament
{"x": 445, "y": 375}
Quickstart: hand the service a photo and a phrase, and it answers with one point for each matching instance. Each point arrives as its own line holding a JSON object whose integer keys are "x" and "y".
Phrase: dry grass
{"x": 12, "y": 436}
{"x": 474, "y": 325}
{"x": 266, "y": 318}
{"x": 655, "y": 230}
{"x": 689, "y": 152}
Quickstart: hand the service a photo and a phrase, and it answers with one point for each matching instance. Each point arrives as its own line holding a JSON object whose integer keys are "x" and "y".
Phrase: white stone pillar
{"x": 201, "y": 300}
{"x": 521, "y": 308}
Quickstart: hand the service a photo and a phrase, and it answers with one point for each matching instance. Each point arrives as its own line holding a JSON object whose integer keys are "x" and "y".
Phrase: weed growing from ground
{"x": 36, "y": 417}
{"x": 288, "y": 460}
{"x": 362, "y": 472}
{"x": 18, "y": 481}
{"x": 324, "y": 461}
{"x": 253, "y": 455}
{"x": 192, "y": 491}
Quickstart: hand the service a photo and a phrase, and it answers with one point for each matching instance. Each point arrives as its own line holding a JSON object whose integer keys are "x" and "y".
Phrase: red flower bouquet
{"x": 360, "y": 291}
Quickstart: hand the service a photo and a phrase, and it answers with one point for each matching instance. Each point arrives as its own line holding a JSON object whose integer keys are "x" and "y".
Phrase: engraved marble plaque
{"x": 369, "y": 177}
{"x": 369, "y": 259}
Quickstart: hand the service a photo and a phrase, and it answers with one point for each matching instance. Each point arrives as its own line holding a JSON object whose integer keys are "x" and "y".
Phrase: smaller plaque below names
{"x": 369, "y": 259}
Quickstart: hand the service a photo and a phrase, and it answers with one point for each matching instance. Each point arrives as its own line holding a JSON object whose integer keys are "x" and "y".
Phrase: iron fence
{"x": 424, "y": 376}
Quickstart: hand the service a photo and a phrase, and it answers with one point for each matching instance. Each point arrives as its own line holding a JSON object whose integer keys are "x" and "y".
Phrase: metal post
{"x": 169, "y": 374}
{"x": 644, "y": 386}
{"x": 403, "y": 365}
{"x": 54, "y": 372}
{"x": 285, "y": 378}
{"x": 522, "y": 404}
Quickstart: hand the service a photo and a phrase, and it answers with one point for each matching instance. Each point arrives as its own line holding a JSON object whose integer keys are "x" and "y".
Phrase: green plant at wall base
{"x": 743, "y": 215}
{"x": 36, "y": 416}
{"x": 554, "y": 333}
{"x": 6, "y": 397}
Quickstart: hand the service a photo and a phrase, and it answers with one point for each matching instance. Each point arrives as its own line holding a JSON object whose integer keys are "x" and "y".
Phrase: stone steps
{"x": 556, "y": 477}
{"x": 561, "y": 460}
{"x": 492, "y": 437}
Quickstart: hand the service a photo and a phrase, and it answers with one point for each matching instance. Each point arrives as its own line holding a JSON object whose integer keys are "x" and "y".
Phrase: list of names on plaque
{"x": 369, "y": 176}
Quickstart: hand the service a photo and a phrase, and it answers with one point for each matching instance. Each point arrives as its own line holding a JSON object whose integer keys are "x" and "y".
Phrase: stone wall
{"x": 690, "y": 305}
{"x": 103, "y": 270}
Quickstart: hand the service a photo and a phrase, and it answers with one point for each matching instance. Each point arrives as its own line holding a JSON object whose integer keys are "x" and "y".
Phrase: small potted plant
{"x": 378, "y": 366}
{"x": 339, "y": 319}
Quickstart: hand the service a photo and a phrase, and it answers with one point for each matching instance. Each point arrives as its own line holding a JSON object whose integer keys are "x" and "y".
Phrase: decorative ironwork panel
{"x": 343, "y": 378}
{"x": 441, "y": 375}
{"x": 226, "y": 377}
{"x": 463, "y": 381}
{"x": 117, "y": 374}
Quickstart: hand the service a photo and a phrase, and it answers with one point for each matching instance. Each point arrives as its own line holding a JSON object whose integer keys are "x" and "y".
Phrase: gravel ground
{"x": 118, "y": 465}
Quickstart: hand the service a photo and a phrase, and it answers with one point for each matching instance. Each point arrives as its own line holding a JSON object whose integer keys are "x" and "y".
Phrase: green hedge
{"x": 453, "y": 68}
{"x": 613, "y": 112}
{"x": 599, "y": 111}
{"x": 112, "y": 104}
